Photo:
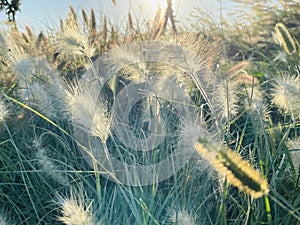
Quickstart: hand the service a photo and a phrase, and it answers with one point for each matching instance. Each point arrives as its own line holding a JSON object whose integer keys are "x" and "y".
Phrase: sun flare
{"x": 159, "y": 3}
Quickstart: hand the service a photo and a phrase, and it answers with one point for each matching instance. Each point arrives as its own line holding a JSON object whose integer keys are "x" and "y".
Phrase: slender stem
{"x": 268, "y": 210}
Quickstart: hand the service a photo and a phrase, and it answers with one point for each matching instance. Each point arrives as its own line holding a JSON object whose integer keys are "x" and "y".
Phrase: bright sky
{"x": 46, "y": 13}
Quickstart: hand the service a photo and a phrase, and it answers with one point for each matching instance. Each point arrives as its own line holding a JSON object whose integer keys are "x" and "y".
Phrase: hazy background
{"x": 40, "y": 14}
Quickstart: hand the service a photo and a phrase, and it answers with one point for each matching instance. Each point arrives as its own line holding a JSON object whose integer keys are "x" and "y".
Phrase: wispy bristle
{"x": 226, "y": 99}
{"x": 189, "y": 134}
{"x": 73, "y": 43}
{"x": 85, "y": 17}
{"x": 76, "y": 211}
{"x": 130, "y": 23}
{"x": 88, "y": 111}
{"x": 40, "y": 40}
{"x": 285, "y": 94}
{"x": 42, "y": 91}
{"x": 156, "y": 23}
{"x": 256, "y": 103}
{"x": 50, "y": 169}
{"x": 4, "y": 112}
{"x": 29, "y": 32}
{"x": 104, "y": 29}
{"x": 4, "y": 220}
{"x": 93, "y": 21}
{"x": 294, "y": 147}
{"x": 73, "y": 15}
{"x": 25, "y": 37}
{"x": 181, "y": 217}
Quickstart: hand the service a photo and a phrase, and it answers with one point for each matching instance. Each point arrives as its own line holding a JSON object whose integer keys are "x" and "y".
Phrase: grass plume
{"x": 237, "y": 171}
{"x": 285, "y": 38}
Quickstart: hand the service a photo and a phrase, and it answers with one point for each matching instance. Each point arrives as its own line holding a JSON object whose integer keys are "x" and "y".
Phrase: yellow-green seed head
{"x": 237, "y": 171}
{"x": 285, "y": 38}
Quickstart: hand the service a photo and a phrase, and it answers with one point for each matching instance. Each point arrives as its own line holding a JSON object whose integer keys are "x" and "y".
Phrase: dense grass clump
{"x": 151, "y": 126}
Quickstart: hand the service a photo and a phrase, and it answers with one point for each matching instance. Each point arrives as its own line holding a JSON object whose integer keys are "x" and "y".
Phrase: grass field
{"x": 152, "y": 124}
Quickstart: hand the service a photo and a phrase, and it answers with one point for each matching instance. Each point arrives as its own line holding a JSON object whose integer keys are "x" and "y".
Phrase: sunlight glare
{"x": 159, "y": 3}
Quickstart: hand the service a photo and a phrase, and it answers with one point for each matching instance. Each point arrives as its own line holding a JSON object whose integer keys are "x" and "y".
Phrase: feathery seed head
{"x": 48, "y": 166}
{"x": 104, "y": 29}
{"x": 130, "y": 23}
{"x": 89, "y": 111}
{"x": 285, "y": 94}
{"x": 85, "y": 17}
{"x": 226, "y": 99}
{"x": 181, "y": 217}
{"x": 24, "y": 67}
{"x": 254, "y": 97}
{"x": 73, "y": 42}
{"x": 255, "y": 102}
{"x": 285, "y": 39}
{"x": 92, "y": 22}
{"x": 75, "y": 212}
{"x": 189, "y": 134}
{"x": 4, "y": 220}
{"x": 39, "y": 86}
{"x": 237, "y": 171}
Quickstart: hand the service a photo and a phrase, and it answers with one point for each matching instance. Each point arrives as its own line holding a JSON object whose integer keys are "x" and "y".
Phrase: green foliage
{"x": 245, "y": 97}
